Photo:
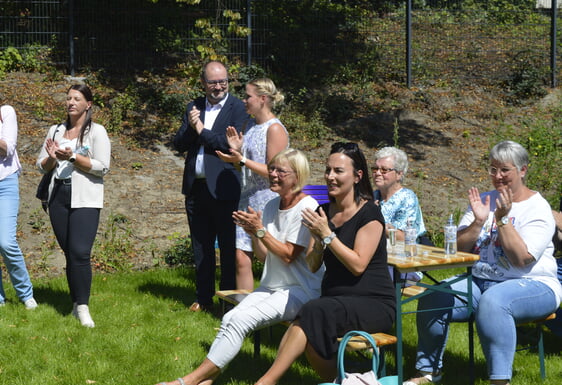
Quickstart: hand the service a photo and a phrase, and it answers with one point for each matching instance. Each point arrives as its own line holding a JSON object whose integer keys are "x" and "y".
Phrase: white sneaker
{"x": 82, "y": 312}
{"x": 30, "y": 304}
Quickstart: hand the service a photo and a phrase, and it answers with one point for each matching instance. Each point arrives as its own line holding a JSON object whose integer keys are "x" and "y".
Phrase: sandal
{"x": 179, "y": 379}
{"x": 424, "y": 379}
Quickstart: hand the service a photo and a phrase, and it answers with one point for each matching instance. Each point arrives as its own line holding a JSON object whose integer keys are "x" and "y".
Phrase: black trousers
{"x": 75, "y": 230}
{"x": 211, "y": 219}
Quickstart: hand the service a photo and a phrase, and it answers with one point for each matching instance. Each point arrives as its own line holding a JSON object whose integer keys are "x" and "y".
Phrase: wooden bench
{"x": 411, "y": 291}
{"x": 234, "y": 297}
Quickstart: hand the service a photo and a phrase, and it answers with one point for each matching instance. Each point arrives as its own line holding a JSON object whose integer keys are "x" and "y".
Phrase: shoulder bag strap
{"x": 57, "y": 130}
{"x": 341, "y": 351}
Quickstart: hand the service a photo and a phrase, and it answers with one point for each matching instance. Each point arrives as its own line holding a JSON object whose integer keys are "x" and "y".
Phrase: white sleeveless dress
{"x": 255, "y": 188}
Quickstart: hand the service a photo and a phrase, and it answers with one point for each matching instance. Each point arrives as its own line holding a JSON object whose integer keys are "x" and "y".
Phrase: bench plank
{"x": 411, "y": 291}
{"x": 357, "y": 343}
{"x": 360, "y": 343}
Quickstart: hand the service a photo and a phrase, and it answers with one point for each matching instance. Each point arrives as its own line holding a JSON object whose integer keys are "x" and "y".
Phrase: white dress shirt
{"x": 211, "y": 113}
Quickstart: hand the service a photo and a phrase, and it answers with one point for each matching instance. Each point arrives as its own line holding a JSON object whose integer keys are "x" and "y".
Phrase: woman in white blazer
{"x": 79, "y": 151}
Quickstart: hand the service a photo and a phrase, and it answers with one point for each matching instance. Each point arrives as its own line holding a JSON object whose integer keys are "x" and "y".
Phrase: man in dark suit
{"x": 211, "y": 186}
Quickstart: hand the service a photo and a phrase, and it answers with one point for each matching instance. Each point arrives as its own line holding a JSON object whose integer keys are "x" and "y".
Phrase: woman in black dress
{"x": 357, "y": 291}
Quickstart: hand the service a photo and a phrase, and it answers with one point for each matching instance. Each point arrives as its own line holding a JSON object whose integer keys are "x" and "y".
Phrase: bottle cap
{"x": 450, "y": 221}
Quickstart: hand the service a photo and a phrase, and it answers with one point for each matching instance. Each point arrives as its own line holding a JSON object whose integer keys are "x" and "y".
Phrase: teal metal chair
{"x": 537, "y": 338}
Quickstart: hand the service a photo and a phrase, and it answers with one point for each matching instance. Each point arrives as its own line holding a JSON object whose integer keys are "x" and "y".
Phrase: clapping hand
{"x": 234, "y": 138}
{"x": 234, "y": 156}
{"x": 235, "y": 141}
{"x": 52, "y": 147}
{"x": 316, "y": 223}
{"x": 249, "y": 220}
{"x": 503, "y": 202}
{"x": 63, "y": 154}
{"x": 479, "y": 208}
{"x": 195, "y": 119}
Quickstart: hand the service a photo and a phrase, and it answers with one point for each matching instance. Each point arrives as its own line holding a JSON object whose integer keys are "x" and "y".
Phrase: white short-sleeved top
{"x": 533, "y": 220}
{"x": 286, "y": 226}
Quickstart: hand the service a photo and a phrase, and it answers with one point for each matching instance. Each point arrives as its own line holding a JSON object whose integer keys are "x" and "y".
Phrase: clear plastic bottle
{"x": 450, "y": 231}
{"x": 410, "y": 237}
{"x": 82, "y": 150}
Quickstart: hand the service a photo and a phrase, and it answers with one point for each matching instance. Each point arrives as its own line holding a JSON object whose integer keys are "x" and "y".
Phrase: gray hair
{"x": 399, "y": 158}
{"x": 510, "y": 152}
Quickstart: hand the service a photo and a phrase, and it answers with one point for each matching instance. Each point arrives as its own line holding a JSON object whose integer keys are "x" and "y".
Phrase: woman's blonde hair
{"x": 265, "y": 86}
{"x": 298, "y": 163}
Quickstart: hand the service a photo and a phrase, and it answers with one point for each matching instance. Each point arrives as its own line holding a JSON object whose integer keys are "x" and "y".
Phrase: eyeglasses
{"x": 220, "y": 82}
{"x": 493, "y": 171}
{"x": 382, "y": 170}
{"x": 280, "y": 172}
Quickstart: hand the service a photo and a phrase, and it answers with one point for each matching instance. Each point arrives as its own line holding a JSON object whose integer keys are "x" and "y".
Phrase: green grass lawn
{"x": 144, "y": 334}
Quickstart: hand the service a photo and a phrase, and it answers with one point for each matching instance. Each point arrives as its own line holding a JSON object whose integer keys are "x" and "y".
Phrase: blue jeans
{"x": 555, "y": 325}
{"x": 9, "y": 248}
{"x": 498, "y": 307}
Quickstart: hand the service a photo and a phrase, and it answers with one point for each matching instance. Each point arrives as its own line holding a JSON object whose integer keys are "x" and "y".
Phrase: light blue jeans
{"x": 498, "y": 307}
{"x": 9, "y": 248}
{"x": 555, "y": 325}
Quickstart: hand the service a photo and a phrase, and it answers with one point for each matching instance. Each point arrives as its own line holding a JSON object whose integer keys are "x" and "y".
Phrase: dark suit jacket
{"x": 223, "y": 180}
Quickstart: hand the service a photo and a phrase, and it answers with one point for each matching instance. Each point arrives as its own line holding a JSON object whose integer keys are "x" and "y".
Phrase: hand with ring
{"x": 249, "y": 220}
{"x": 503, "y": 202}
{"x": 316, "y": 222}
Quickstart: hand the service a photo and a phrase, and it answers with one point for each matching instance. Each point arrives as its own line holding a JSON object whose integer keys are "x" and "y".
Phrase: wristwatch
{"x": 260, "y": 233}
{"x": 327, "y": 240}
{"x": 242, "y": 162}
{"x": 503, "y": 221}
{"x": 72, "y": 158}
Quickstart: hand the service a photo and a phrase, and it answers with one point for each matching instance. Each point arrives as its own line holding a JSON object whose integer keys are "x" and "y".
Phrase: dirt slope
{"x": 443, "y": 136}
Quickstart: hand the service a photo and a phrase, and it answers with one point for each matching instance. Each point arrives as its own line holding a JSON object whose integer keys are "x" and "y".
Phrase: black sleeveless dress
{"x": 366, "y": 302}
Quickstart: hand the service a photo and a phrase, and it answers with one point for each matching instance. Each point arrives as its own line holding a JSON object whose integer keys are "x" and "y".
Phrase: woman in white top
{"x": 515, "y": 281}
{"x": 79, "y": 150}
{"x": 263, "y": 137}
{"x": 280, "y": 241}
{"x": 10, "y": 169}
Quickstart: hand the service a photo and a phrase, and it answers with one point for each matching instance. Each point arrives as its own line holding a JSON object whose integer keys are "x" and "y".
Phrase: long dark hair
{"x": 363, "y": 188}
{"x": 84, "y": 90}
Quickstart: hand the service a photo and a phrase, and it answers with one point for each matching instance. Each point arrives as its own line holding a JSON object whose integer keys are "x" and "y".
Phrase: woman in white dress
{"x": 263, "y": 138}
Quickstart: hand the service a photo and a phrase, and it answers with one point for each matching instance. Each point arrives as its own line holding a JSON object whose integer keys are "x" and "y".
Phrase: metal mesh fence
{"x": 120, "y": 35}
{"x": 144, "y": 35}
{"x": 32, "y": 24}
{"x": 448, "y": 42}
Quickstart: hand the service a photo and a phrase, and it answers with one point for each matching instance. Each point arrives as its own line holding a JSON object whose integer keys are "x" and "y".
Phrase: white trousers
{"x": 259, "y": 309}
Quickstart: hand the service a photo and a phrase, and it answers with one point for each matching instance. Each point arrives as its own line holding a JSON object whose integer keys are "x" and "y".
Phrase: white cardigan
{"x": 87, "y": 187}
